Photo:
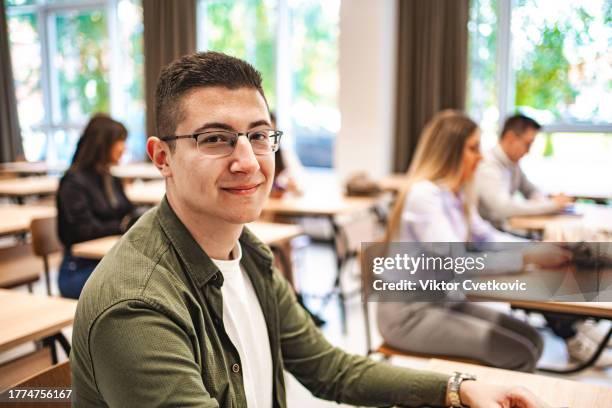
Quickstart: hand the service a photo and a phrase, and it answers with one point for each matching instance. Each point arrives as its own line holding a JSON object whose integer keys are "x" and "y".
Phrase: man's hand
{"x": 476, "y": 394}
{"x": 562, "y": 200}
{"x": 546, "y": 255}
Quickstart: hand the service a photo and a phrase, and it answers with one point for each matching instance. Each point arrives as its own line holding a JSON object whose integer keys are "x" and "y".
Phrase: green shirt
{"x": 149, "y": 332}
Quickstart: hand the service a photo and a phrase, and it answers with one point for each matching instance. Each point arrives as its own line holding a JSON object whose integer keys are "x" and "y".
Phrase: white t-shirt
{"x": 246, "y": 327}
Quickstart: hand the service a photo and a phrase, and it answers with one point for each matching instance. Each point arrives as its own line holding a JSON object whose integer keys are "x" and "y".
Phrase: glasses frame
{"x": 276, "y": 134}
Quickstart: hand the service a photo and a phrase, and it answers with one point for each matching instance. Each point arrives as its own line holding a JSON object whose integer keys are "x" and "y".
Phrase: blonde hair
{"x": 438, "y": 158}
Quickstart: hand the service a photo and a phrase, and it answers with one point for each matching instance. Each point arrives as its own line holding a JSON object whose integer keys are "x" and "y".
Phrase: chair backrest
{"x": 18, "y": 266}
{"x": 45, "y": 242}
{"x": 352, "y": 230}
{"x": 44, "y": 236}
{"x": 55, "y": 376}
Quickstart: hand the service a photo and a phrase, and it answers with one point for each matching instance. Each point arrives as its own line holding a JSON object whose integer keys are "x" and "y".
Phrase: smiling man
{"x": 187, "y": 310}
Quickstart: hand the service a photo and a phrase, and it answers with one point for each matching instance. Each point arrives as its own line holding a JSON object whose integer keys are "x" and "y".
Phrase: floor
{"x": 314, "y": 266}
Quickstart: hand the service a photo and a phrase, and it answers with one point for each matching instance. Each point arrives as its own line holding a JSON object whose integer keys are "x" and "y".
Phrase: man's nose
{"x": 244, "y": 159}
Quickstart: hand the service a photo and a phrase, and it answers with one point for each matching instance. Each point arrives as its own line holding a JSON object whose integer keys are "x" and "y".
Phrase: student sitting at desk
{"x": 436, "y": 206}
{"x": 188, "y": 310}
{"x": 90, "y": 202}
{"x": 499, "y": 177}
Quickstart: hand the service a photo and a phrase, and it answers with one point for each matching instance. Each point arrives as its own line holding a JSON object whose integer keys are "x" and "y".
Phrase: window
{"x": 253, "y": 39}
{"x": 70, "y": 60}
{"x": 294, "y": 44}
{"x": 561, "y": 61}
{"x": 551, "y": 61}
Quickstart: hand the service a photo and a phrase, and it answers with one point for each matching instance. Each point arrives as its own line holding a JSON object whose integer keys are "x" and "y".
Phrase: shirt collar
{"x": 197, "y": 263}
{"x": 500, "y": 155}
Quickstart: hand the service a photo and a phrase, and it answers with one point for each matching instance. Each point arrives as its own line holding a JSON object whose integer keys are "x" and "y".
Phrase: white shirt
{"x": 497, "y": 180}
{"x": 246, "y": 327}
{"x": 435, "y": 214}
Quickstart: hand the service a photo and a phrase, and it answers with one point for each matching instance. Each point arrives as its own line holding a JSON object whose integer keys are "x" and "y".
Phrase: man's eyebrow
{"x": 214, "y": 125}
{"x": 225, "y": 126}
{"x": 259, "y": 123}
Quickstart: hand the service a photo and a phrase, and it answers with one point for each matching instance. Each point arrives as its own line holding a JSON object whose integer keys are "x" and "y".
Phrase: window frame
{"x": 45, "y": 13}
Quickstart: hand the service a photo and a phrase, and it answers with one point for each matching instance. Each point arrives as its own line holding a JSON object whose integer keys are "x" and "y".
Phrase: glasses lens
{"x": 262, "y": 141}
{"x": 222, "y": 143}
{"x": 217, "y": 143}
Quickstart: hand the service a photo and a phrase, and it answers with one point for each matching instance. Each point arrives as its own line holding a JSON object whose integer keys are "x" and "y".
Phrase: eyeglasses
{"x": 219, "y": 143}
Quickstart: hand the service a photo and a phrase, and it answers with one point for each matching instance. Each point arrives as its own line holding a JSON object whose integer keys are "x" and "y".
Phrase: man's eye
{"x": 259, "y": 136}
{"x": 213, "y": 139}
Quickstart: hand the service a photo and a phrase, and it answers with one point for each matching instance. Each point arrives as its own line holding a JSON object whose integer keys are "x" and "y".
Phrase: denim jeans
{"x": 73, "y": 273}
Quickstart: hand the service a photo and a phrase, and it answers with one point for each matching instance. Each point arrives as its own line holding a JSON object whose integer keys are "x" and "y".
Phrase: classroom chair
{"x": 384, "y": 349}
{"x": 45, "y": 242}
{"x": 57, "y": 376}
{"x": 24, "y": 366}
{"x": 18, "y": 267}
{"x": 349, "y": 232}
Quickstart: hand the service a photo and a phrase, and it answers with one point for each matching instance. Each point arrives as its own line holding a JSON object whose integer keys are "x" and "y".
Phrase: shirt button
{"x": 235, "y": 368}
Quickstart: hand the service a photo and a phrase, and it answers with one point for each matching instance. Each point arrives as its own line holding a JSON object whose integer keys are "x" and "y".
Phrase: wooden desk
{"x": 597, "y": 216}
{"x": 268, "y": 232}
{"x": 147, "y": 193}
{"x": 133, "y": 171}
{"x": 96, "y": 248}
{"x": 272, "y": 233}
{"x": 16, "y": 219}
{"x": 315, "y": 205}
{"x": 596, "y": 310}
{"x": 30, "y": 168}
{"x": 20, "y": 188}
{"x": 555, "y": 391}
{"x": 25, "y": 317}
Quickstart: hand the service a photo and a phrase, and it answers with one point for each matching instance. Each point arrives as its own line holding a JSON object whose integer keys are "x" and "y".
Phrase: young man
{"x": 186, "y": 310}
{"x": 499, "y": 176}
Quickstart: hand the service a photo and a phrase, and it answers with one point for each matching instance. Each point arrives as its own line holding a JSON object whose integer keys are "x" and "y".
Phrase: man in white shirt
{"x": 499, "y": 177}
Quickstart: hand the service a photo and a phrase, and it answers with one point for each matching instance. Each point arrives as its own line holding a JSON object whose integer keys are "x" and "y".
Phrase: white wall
{"x": 367, "y": 86}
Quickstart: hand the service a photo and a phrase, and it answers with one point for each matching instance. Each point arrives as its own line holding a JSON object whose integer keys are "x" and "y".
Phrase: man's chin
{"x": 244, "y": 217}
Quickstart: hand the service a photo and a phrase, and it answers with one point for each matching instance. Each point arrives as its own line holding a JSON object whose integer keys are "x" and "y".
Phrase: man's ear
{"x": 159, "y": 153}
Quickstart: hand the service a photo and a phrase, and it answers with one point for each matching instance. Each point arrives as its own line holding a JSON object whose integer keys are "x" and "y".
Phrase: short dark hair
{"x": 519, "y": 124}
{"x": 92, "y": 152}
{"x": 202, "y": 69}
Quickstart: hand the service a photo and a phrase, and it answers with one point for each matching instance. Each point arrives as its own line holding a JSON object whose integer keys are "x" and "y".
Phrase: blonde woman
{"x": 437, "y": 206}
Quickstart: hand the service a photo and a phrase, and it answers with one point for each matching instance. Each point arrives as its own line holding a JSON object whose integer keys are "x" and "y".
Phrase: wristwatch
{"x": 453, "y": 388}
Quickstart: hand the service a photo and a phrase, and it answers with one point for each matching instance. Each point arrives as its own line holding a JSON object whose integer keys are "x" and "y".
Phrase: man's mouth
{"x": 244, "y": 189}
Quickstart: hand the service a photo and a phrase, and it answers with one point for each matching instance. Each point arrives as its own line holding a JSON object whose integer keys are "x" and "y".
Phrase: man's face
{"x": 233, "y": 188}
{"x": 520, "y": 144}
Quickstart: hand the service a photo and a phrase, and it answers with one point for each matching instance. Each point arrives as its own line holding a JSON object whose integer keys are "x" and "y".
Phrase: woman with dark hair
{"x": 90, "y": 202}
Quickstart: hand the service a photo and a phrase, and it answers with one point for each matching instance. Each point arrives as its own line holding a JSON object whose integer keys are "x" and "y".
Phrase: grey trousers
{"x": 462, "y": 330}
